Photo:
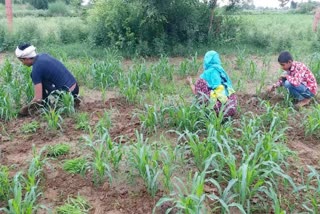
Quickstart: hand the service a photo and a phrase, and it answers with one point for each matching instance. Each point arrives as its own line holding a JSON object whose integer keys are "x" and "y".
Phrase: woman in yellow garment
{"x": 215, "y": 84}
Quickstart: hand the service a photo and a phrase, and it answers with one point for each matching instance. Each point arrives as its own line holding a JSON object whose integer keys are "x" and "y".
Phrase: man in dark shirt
{"x": 48, "y": 74}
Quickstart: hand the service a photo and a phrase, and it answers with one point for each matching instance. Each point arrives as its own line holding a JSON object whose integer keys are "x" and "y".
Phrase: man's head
{"x": 285, "y": 60}
{"x": 26, "y": 53}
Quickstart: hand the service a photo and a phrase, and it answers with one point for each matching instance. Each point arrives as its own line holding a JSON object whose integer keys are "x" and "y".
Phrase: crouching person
{"x": 297, "y": 79}
{"x": 48, "y": 75}
{"x": 214, "y": 83}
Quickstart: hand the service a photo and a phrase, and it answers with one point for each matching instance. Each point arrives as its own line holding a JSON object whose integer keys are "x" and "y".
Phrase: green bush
{"x": 72, "y": 33}
{"x": 58, "y": 8}
{"x": 39, "y": 4}
{"x": 28, "y": 33}
{"x": 148, "y": 27}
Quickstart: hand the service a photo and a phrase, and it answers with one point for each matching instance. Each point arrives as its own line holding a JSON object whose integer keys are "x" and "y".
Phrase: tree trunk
{"x": 211, "y": 20}
{"x": 9, "y": 14}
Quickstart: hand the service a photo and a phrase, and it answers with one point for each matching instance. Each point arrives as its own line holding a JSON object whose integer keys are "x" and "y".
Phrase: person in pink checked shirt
{"x": 297, "y": 78}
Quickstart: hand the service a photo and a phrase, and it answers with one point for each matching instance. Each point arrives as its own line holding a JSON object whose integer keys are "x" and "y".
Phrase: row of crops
{"x": 244, "y": 161}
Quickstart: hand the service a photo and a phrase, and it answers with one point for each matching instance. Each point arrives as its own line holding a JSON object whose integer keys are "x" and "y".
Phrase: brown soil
{"x": 120, "y": 196}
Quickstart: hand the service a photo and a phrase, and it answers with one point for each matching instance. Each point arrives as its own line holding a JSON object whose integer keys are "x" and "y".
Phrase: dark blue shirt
{"x": 51, "y": 73}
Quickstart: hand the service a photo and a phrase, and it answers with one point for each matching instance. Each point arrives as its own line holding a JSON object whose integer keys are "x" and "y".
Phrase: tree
{"x": 212, "y": 5}
{"x": 293, "y": 5}
{"x": 39, "y": 4}
{"x": 283, "y": 2}
{"x": 9, "y": 14}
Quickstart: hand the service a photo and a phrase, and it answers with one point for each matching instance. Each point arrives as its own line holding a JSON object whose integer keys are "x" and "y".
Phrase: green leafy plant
{"x": 30, "y": 127}
{"x": 58, "y": 150}
{"x": 5, "y": 183}
{"x": 76, "y": 165}
{"x": 187, "y": 200}
{"x": 53, "y": 118}
{"x": 82, "y": 121}
{"x": 77, "y": 205}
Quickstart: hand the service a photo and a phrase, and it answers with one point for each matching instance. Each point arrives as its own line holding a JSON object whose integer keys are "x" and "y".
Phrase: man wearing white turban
{"x": 48, "y": 75}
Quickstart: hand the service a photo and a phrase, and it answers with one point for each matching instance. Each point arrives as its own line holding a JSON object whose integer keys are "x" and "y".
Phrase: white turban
{"x": 29, "y": 52}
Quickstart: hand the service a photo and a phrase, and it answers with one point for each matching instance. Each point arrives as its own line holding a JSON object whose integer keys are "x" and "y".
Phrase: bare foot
{"x": 303, "y": 103}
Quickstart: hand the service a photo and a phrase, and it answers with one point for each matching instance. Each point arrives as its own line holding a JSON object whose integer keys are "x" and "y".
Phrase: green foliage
{"x": 58, "y": 150}
{"x": 30, "y": 127}
{"x": 311, "y": 122}
{"x": 99, "y": 161}
{"x": 188, "y": 199}
{"x": 82, "y": 121}
{"x": 77, "y": 205}
{"x": 53, "y": 118}
{"x": 58, "y": 8}
{"x": 75, "y": 166}
{"x": 5, "y": 183}
{"x": 39, "y": 4}
{"x": 148, "y": 27}
{"x": 71, "y": 33}
{"x": 145, "y": 161}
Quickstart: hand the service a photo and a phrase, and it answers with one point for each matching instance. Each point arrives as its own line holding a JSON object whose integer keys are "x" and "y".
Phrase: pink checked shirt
{"x": 300, "y": 74}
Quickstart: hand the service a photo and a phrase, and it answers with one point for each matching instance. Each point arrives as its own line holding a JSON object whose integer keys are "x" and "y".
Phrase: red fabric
{"x": 230, "y": 108}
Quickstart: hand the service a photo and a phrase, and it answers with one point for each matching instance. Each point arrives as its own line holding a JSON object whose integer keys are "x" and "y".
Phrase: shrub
{"x": 58, "y": 8}
{"x": 39, "y": 4}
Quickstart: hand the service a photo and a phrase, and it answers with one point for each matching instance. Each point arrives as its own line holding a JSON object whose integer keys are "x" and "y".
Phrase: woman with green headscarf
{"x": 215, "y": 84}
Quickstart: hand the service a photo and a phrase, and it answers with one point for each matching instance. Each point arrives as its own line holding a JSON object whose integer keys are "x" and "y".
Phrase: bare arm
{"x": 189, "y": 82}
{"x": 37, "y": 93}
{"x": 36, "y": 99}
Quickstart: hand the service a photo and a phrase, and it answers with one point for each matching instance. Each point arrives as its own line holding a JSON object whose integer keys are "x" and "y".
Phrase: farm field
{"x": 139, "y": 143}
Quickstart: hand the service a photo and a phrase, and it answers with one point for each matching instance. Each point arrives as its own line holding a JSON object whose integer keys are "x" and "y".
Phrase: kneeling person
{"x": 48, "y": 75}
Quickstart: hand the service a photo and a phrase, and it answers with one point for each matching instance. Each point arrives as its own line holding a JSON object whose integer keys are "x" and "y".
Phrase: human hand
{"x": 189, "y": 80}
{"x": 270, "y": 89}
{"x": 24, "y": 111}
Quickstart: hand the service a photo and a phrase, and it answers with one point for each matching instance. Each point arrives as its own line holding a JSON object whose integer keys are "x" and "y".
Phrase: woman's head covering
{"x": 214, "y": 74}
{"x": 25, "y": 51}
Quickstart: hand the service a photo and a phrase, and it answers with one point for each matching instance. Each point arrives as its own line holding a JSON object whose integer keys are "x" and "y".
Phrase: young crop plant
{"x": 104, "y": 124}
{"x": 21, "y": 201}
{"x": 82, "y": 121}
{"x": 200, "y": 149}
{"x": 271, "y": 193}
{"x": 311, "y": 122}
{"x": 312, "y": 188}
{"x": 7, "y": 110}
{"x": 145, "y": 161}
{"x": 53, "y": 118}
{"x": 129, "y": 89}
{"x": 76, "y": 166}
{"x": 103, "y": 152}
{"x": 31, "y": 127}
{"x": 106, "y": 74}
{"x": 35, "y": 170}
{"x": 78, "y": 205}
{"x": 163, "y": 68}
{"x": 184, "y": 117}
{"x": 150, "y": 119}
{"x": 224, "y": 200}
{"x": 251, "y": 71}
{"x": 168, "y": 157}
{"x": 189, "y": 199}
{"x": 58, "y": 150}
{"x": 66, "y": 103}
{"x": 189, "y": 66}
{"x": 115, "y": 152}
{"x": 5, "y": 183}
